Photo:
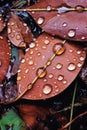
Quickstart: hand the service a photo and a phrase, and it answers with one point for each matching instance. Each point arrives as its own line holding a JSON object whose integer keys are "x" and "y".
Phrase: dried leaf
{"x": 4, "y": 56}
{"x": 18, "y": 32}
{"x": 46, "y": 72}
{"x": 70, "y": 25}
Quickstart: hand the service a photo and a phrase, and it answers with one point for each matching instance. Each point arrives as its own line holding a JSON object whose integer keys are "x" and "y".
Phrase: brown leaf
{"x": 31, "y": 114}
{"x": 70, "y": 25}
{"x": 4, "y": 56}
{"x": 46, "y": 70}
{"x": 2, "y": 23}
{"x": 18, "y": 32}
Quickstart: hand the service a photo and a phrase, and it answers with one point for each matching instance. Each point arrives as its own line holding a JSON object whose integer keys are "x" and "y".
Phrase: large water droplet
{"x": 59, "y": 66}
{"x": 32, "y": 45}
{"x": 79, "y": 65}
{"x": 58, "y": 48}
{"x": 40, "y": 20}
{"x": 60, "y": 77}
{"x": 71, "y": 33}
{"x": 41, "y": 72}
{"x": 47, "y": 88}
{"x": 71, "y": 66}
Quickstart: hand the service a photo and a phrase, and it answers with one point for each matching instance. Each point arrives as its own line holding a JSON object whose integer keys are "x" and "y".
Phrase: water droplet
{"x": 12, "y": 23}
{"x": 31, "y": 52}
{"x": 71, "y": 33}
{"x": 59, "y": 66}
{"x": 18, "y": 78}
{"x": 18, "y": 36}
{"x": 58, "y": 48}
{"x": 47, "y": 88}
{"x": 82, "y": 58}
{"x": 45, "y": 80}
{"x": 79, "y": 8}
{"x": 9, "y": 30}
{"x": 44, "y": 47}
{"x": 48, "y": 8}
{"x": 31, "y": 62}
{"x": 40, "y": 20}
{"x": 70, "y": 50}
{"x": 46, "y": 41}
{"x": 38, "y": 53}
{"x": 71, "y": 67}
{"x": 78, "y": 52}
{"x": 26, "y": 71}
{"x": 79, "y": 65}
{"x": 83, "y": 37}
{"x": 64, "y": 24}
{"x": 60, "y": 77}
{"x": 50, "y": 76}
{"x": 32, "y": 45}
{"x": 23, "y": 61}
{"x": 64, "y": 81}
{"x": 19, "y": 71}
{"x": 41, "y": 72}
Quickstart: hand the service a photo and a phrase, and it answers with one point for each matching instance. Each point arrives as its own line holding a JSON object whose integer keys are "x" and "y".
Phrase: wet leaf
{"x": 62, "y": 24}
{"x": 18, "y": 32}
{"x": 2, "y": 23}
{"x": 12, "y": 121}
{"x": 4, "y": 56}
{"x": 43, "y": 71}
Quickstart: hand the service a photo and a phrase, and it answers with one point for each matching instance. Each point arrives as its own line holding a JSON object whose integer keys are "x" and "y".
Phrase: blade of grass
{"x": 72, "y": 105}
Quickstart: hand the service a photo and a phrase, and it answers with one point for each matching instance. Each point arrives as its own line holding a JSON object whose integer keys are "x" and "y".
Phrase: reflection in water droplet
{"x": 83, "y": 38}
{"x": 79, "y": 65}
{"x": 47, "y": 88}
{"x": 32, "y": 45}
{"x": 64, "y": 81}
{"x": 50, "y": 76}
{"x": 71, "y": 67}
{"x": 40, "y": 20}
{"x": 46, "y": 42}
{"x": 78, "y": 52}
{"x": 18, "y": 36}
{"x": 48, "y": 8}
{"x": 71, "y": 33}
{"x": 59, "y": 66}
{"x": 58, "y": 48}
{"x": 82, "y": 58}
{"x": 23, "y": 61}
{"x": 30, "y": 62}
{"x": 60, "y": 77}
{"x": 64, "y": 24}
{"x": 41, "y": 72}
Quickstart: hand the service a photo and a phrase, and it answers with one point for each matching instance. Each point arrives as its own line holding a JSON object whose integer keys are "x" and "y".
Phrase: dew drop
{"x": 18, "y": 37}
{"x": 82, "y": 58}
{"x": 31, "y": 52}
{"x": 79, "y": 8}
{"x": 79, "y": 65}
{"x": 78, "y": 52}
{"x": 47, "y": 88}
{"x": 70, "y": 50}
{"x": 23, "y": 61}
{"x": 9, "y": 30}
{"x": 38, "y": 53}
{"x": 59, "y": 66}
{"x": 71, "y": 33}
{"x": 48, "y": 8}
{"x": 31, "y": 62}
{"x": 50, "y": 76}
{"x": 45, "y": 80}
{"x": 60, "y": 77}
{"x": 40, "y": 20}
{"x": 26, "y": 71}
{"x": 83, "y": 37}
{"x": 64, "y": 24}
{"x": 32, "y": 45}
{"x": 46, "y": 41}
{"x": 58, "y": 48}
{"x": 71, "y": 67}
{"x": 64, "y": 82}
{"x": 41, "y": 72}
{"x": 19, "y": 71}
{"x": 12, "y": 23}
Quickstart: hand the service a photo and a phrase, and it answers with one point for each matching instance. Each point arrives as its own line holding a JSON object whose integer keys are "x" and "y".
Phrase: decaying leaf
{"x": 66, "y": 24}
{"x": 18, "y": 32}
{"x": 4, "y": 56}
{"x": 11, "y": 120}
{"x": 49, "y": 67}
